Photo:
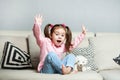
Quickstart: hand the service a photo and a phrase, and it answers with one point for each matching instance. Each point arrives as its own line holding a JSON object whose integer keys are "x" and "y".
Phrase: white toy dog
{"x": 80, "y": 64}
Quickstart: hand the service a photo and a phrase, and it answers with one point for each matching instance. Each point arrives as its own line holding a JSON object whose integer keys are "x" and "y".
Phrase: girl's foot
{"x": 73, "y": 72}
{"x": 66, "y": 70}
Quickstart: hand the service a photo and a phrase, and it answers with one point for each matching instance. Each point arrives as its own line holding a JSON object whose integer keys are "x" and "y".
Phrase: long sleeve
{"x": 77, "y": 41}
{"x": 38, "y": 34}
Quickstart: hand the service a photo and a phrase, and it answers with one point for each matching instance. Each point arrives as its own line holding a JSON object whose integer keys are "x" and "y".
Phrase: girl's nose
{"x": 59, "y": 37}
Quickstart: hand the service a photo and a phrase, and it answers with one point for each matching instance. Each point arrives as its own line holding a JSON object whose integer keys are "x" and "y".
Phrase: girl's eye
{"x": 62, "y": 35}
{"x": 57, "y": 34}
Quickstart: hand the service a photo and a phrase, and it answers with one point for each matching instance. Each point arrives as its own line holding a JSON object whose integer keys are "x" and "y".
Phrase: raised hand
{"x": 36, "y": 29}
{"x": 84, "y": 31}
{"x": 38, "y": 20}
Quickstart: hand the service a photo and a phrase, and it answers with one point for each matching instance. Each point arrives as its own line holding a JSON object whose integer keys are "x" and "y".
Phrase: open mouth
{"x": 58, "y": 41}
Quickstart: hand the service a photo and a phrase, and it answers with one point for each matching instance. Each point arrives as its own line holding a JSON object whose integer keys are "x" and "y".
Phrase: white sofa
{"x": 106, "y": 47}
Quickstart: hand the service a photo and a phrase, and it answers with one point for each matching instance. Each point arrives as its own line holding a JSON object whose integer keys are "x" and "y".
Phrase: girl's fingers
{"x": 41, "y": 17}
{"x": 83, "y": 28}
{"x": 38, "y": 19}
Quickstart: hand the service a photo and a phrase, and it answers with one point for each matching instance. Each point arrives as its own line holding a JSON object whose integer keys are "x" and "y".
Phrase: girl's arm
{"x": 79, "y": 38}
{"x": 37, "y": 29}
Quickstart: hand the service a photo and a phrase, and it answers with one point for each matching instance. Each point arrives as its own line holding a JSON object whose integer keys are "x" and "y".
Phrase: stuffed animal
{"x": 80, "y": 64}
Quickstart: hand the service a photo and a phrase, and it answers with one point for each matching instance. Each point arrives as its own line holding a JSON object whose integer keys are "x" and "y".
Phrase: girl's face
{"x": 58, "y": 36}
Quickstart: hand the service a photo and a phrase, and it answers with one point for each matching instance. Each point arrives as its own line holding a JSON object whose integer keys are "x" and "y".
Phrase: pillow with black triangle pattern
{"x": 14, "y": 58}
{"x": 117, "y": 59}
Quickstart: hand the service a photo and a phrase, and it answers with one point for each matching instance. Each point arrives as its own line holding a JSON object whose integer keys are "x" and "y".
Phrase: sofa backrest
{"x": 107, "y": 47}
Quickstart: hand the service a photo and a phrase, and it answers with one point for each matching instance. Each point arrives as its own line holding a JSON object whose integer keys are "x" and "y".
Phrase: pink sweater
{"x": 47, "y": 46}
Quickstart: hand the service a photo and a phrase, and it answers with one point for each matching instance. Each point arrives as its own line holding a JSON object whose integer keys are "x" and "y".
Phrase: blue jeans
{"x": 53, "y": 64}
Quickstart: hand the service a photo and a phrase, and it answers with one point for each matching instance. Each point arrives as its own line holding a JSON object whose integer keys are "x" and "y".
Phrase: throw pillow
{"x": 117, "y": 59}
{"x": 14, "y": 58}
{"x": 87, "y": 52}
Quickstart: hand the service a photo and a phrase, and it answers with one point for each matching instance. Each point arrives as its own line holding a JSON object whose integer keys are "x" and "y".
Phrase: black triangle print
{"x": 15, "y": 58}
{"x": 18, "y": 57}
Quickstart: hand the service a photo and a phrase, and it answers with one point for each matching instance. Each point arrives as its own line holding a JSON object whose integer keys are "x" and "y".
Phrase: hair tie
{"x": 63, "y": 25}
{"x": 51, "y": 26}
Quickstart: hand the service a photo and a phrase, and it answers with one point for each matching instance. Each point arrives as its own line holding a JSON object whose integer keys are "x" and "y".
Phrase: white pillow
{"x": 87, "y": 52}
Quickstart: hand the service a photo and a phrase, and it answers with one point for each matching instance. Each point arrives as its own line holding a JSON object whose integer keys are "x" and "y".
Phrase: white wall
{"x": 97, "y": 15}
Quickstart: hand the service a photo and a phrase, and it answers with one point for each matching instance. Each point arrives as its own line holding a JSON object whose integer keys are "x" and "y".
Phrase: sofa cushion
{"x": 107, "y": 34}
{"x": 113, "y": 74}
{"x": 106, "y": 48}
{"x": 34, "y": 50}
{"x": 32, "y": 75}
{"x": 87, "y": 52}
{"x": 14, "y": 57}
{"x": 20, "y": 41}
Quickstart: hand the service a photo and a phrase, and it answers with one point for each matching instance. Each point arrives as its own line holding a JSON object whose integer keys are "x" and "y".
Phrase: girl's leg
{"x": 52, "y": 64}
{"x": 69, "y": 62}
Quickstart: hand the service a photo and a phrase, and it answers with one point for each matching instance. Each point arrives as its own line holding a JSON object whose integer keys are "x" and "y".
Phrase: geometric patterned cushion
{"x": 87, "y": 52}
{"x": 14, "y": 58}
{"x": 117, "y": 59}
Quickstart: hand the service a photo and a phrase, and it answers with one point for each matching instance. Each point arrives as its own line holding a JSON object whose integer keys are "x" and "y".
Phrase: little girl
{"x": 57, "y": 41}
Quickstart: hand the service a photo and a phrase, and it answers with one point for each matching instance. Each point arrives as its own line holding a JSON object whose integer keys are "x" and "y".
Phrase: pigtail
{"x": 46, "y": 30}
{"x": 68, "y": 39}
